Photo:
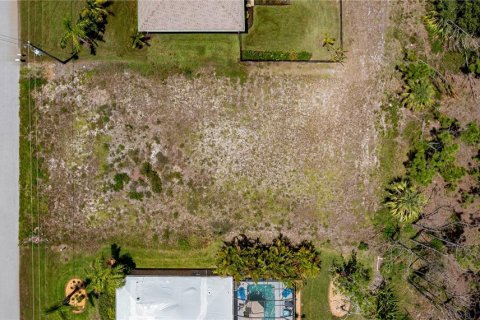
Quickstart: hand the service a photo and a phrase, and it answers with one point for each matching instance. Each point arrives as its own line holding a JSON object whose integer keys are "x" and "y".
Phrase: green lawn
{"x": 300, "y": 26}
{"x": 315, "y": 294}
{"x": 45, "y": 272}
{"x": 42, "y": 24}
{"x": 43, "y": 276}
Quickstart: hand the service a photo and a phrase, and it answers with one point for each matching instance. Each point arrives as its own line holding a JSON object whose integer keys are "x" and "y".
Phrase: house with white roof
{"x": 198, "y": 294}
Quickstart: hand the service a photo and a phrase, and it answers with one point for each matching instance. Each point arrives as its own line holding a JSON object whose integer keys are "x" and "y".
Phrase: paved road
{"x": 9, "y": 130}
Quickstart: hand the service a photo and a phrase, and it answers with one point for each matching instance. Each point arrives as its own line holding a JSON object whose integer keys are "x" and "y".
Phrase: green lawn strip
{"x": 31, "y": 204}
{"x": 174, "y": 258}
{"x": 298, "y": 27}
{"x": 315, "y": 294}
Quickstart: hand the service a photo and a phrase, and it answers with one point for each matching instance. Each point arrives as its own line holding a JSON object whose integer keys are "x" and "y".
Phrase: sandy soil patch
{"x": 339, "y": 304}
{"x": 75, "y": 289}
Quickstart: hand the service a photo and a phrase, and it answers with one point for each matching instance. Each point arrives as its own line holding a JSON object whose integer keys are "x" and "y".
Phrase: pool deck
{"x": 244, "y": 308}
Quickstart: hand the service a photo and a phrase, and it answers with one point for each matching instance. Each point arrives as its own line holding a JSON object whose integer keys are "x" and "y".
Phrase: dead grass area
{"x": 291, "y": 149}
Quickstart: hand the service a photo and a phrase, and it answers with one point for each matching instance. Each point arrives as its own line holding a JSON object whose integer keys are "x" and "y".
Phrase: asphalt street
{"x": 9, "y": 170}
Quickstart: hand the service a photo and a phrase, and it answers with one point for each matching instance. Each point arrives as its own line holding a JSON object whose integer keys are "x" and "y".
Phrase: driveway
{"x": 9, "y": 131}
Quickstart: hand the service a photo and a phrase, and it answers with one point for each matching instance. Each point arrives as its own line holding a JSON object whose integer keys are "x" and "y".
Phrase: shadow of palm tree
{"x": 125, "y": 259}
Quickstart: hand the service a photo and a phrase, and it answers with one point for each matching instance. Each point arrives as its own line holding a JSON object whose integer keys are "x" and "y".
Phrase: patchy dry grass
{"x": 287, "y": 150}
{"x": 272, "y": 154}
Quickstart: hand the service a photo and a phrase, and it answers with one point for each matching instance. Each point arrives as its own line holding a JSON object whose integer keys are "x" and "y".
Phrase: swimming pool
{"x": 263, "y": 293}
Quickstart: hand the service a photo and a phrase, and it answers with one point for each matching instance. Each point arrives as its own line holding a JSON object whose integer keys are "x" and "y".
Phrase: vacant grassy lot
{"x": 300, "y": 26}
{"x": 42, "y": 24}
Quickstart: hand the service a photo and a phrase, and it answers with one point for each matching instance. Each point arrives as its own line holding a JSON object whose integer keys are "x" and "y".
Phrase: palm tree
{"x": 95, "y": 11}
{"x": 386, "y": 303}
{"x": 74, "y": 34}
{"x": 328, "y": 41}
{"x": 418, "y": 95}
{"x": 102, "y": 277}
{"x": 249, "y": 258}
{"x": 140, "y": 40}
{"x": 404, "y": 201}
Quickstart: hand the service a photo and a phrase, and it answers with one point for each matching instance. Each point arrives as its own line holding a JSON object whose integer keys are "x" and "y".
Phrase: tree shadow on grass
{"x": 124, "y": 259}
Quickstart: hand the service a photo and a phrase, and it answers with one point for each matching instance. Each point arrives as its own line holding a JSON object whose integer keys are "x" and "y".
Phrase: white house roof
{"x": 175, "y": 298}
{"x": 191, "y": 15}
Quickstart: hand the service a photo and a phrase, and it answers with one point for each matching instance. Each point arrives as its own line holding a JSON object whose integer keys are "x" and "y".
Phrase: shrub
{"x": 469, "y": 257}
{"x": 473, "y": 65}
{"x": 418, "y": 90}
{"x": 387, "y": 224}
{"x": 386, "y": 304}
{"x": 451, "y": 13}
{"x": 119, "y": 181}
{"x": 404, "y": 201}
{"x": 135, "y": 195}
{"x": 106, "y": 306}
{"x": 435, "y": 155}
{"x": 275, "y": 55}
{"x": 152, "y": 176}
{"x": 351, "y": 278}
{"x": 471, "y": 134}
{"x": 304, "y": 56}
{"x": 362, "y": 246}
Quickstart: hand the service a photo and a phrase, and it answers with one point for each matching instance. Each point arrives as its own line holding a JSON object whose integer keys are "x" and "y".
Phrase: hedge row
{"x": 276, "y": 55}
{"x": 272, "y": 2}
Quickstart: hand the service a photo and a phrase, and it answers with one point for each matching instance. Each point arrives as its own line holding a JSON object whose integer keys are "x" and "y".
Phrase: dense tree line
{"x": 246, "y": 258}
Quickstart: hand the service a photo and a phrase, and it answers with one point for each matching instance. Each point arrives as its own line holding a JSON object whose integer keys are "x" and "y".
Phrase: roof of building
{"x": 191, "y": 15}
{"x": 175, "y": 297}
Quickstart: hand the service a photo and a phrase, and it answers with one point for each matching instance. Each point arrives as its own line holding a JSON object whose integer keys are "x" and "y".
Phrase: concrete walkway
{"x": 9, "y": 131}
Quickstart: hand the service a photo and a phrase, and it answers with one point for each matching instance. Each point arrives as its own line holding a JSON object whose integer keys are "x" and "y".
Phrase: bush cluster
{"x": 418, "y": 89}
{"x": 437, "y": 154}
{"x": 245, "y": 258}
{"x": 152, "y": 176}
{"x": 471, "y": 134}
{"x": 352, "y": 278}
{"x": 455, "y": 24}
{"x": 119, "y": 181}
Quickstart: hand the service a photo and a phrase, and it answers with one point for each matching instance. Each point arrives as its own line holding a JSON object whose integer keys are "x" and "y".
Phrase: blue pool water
{"x": 263, "y": 293}
{"x": 241, "y": 293}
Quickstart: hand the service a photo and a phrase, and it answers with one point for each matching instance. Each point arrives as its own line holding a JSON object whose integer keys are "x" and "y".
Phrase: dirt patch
{"x": 77, "y": 294}
{"x": 298, "y": 304}
{"x": 339, "y": 304}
